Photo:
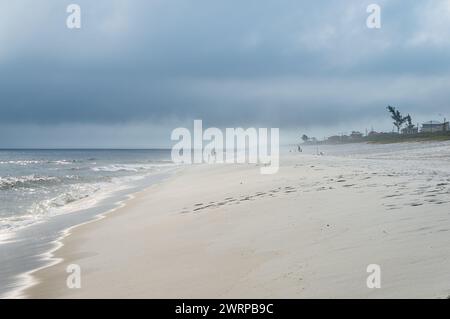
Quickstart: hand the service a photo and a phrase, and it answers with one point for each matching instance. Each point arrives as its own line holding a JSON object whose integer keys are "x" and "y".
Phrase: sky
{"x": 137, "y": 69}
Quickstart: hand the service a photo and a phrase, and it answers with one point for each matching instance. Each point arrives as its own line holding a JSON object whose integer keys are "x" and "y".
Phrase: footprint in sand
{"x": 392, "y": 195}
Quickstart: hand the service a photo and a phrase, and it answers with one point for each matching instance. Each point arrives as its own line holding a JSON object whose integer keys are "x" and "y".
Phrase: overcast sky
{"x": 138, "y": 69}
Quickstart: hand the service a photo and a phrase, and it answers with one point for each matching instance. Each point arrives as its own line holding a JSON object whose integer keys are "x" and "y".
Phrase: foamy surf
{"x": 43, "y": 193}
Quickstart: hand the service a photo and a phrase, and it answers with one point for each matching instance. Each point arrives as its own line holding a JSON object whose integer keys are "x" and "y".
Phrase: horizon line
{"x": 80, "y": 148}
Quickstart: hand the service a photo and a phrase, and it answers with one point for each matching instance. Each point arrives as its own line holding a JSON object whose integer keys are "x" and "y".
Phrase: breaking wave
{"x": 129, "y": 167}
{"x": 46, "y": 208}
{"x": 10, "y": 182}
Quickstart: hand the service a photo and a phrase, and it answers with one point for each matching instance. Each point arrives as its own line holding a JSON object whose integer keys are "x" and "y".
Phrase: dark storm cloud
{"x": 285, "y": 63}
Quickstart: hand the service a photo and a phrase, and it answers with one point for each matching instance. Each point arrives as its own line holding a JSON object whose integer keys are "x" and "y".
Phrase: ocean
{"x": 45, "y": 192}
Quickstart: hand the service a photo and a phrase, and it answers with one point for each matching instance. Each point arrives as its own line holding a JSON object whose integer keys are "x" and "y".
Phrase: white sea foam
{"x": 77, "y": 197}
{"x": 24, "y": 181}
{"x": 39, "y": 187}
{"x": 35, "y": 162}
{"x": 21, "y": 162}
{"x": 130, "y": 167}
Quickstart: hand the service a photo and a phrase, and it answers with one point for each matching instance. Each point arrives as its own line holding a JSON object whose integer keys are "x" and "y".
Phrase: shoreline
{"x": 49, "y": 256}
{"x": 27, "y": 280}
{"x": 227, "y": 231}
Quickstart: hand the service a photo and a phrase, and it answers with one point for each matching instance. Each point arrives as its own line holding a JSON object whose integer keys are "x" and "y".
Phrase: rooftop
{"x": 432, "y": 123}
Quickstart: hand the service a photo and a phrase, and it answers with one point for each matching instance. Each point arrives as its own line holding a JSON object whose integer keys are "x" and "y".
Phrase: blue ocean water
{"x": 44, "y": 192}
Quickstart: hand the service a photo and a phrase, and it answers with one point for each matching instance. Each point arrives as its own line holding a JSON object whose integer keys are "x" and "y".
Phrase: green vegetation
{"x": 409, "y": 121}
{"x": 397, "y": 117}
{"x": 305, "y": 138}
{"x": 410, "y": 133}
{"x": 386, "y": 138}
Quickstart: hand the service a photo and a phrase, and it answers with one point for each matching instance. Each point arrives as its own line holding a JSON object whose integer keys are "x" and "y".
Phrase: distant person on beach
{"x": 212, "y": 155}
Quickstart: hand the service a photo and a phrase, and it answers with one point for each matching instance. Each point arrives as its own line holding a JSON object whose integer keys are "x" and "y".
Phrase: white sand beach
{"x": 309, "y": 231}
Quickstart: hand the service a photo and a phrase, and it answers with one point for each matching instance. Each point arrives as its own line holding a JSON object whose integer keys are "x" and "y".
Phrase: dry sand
{"x": 226, "y": 231}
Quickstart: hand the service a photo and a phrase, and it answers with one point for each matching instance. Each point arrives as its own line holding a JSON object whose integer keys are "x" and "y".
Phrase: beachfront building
{"x": 334, "y": 139}
{"x": 410, "y": 130}
{"x": 434, "y": 127}
{"x": 356, "y": 135}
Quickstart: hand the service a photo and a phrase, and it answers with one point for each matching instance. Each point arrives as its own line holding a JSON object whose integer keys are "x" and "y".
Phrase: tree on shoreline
{"x": 305, "y": 138}
{"x": 409, "y": 121}
{"x": 397, "y": 117}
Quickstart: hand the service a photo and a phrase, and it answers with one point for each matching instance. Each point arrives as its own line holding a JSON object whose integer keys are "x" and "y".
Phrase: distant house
{"x": 410, "y": 130}
{"x": 356, "y": 135}
{"x": 334, "y": 139}
{"x": 338, "y": 139}
{"x": 434, "y": 127}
